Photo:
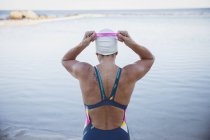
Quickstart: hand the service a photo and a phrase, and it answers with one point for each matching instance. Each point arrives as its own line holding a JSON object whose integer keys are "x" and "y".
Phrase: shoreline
{"x": 11, "y": 22}
{"x": 41, "y": 16}
{"x": 25, "y": 22}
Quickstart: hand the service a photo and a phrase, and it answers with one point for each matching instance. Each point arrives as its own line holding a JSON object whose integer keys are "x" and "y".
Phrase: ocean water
{"x": 39, "y": 99}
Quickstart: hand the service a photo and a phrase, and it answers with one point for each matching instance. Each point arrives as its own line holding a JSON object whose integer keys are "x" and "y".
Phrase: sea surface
{"x": 39, "y": 99}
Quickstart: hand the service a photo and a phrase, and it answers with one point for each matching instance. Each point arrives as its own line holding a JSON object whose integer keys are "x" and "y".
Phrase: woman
{"x": 107, "y": 88}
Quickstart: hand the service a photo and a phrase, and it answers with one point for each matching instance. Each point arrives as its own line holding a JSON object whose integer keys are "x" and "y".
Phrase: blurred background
{"x": 40, "y": 100}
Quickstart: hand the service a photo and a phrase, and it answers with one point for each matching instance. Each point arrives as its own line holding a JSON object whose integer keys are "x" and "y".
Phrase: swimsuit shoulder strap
{"x": 114, "y": 89}
{"x": 103, "y": 96}
{"x": 113, "y": 93}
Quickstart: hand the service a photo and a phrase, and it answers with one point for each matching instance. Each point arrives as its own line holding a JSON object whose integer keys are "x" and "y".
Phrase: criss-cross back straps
{"x": 114, "y": 89}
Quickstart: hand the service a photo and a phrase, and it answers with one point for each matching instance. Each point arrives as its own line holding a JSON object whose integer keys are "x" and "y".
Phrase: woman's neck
{"x": 107, "y": 61}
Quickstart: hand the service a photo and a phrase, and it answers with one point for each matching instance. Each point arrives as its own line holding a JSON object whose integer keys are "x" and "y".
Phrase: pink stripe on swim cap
{"x": 106, "y": 34}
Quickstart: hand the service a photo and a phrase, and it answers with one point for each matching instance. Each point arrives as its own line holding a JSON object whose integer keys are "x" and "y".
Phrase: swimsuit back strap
{"x": 112, "y": 96}
{"x": 103, "y": 96}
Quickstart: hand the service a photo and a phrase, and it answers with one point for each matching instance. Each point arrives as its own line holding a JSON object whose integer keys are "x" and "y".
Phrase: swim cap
{"x": 106, "y": 42}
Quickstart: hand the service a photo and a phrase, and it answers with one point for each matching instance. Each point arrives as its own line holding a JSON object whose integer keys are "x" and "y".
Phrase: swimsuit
{"x": 92, "y": 133}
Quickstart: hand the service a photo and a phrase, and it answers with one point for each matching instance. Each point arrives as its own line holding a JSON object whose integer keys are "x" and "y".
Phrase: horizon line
{"x": 181, "y": 8}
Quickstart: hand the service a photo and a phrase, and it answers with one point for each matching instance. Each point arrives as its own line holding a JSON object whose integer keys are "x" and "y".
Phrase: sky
{"x": 100, "y": 4}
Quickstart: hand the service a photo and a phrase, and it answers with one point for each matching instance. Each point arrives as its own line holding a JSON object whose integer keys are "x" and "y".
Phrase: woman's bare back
{"x": 106, "y": 117}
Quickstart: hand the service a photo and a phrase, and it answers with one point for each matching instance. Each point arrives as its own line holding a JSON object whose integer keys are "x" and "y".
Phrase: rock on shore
{"x": 18, "y": 15}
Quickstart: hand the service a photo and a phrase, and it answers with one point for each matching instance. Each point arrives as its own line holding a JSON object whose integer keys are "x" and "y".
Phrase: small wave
{"x": 15, "y": 133}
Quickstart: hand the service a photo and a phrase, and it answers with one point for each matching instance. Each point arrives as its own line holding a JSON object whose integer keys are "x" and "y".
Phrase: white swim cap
{"x": 106, "y": 42}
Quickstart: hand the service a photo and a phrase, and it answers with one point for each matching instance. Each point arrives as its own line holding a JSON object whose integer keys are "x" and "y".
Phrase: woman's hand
{"x": 123, "y": 36}
{"x": 89, "y": 36}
